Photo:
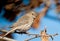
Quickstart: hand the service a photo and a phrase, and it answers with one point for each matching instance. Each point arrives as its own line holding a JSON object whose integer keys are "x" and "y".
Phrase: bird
{"x": 24, "y": 23}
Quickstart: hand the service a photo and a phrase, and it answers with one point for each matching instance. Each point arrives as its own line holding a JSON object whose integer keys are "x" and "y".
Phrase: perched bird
{"x": 27, "y": 20}
{"x": 24, "y": 23}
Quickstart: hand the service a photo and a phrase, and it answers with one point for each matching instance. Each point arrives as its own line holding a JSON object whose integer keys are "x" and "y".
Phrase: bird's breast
{"x": 25, "y": 25}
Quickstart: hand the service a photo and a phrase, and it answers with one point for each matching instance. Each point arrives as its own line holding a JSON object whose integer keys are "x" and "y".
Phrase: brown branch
{"x": 6, "y": 39}
{"x": 1, "y": 30}
{"x": 35, "y": 36}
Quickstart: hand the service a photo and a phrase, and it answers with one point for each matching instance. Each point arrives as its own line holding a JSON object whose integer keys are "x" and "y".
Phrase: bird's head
{"x": 33, "y": 14}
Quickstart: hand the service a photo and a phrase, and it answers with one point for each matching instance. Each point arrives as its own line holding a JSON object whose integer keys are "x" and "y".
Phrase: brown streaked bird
{"x": 24, "y": 23}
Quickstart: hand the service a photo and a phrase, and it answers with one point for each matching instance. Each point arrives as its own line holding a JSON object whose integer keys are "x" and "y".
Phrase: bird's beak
{"x": 34, "y": 16}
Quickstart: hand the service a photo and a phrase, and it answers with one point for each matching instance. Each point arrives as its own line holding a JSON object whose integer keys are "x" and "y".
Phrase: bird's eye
{"x": 32, "y": 14}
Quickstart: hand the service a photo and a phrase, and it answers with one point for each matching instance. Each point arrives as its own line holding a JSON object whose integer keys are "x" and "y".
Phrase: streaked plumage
{"x": 24, "y": 23}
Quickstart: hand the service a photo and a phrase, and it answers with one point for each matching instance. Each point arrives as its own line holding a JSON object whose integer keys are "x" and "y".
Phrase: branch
{"x": 36, "y": 36}
{"x": 54, "y": 34}
{"x": 6, "y": 39}
{"x": 1, "y": 30}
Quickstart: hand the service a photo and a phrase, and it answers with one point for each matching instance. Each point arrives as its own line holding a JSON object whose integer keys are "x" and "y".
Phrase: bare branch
{"x": 6, "y": 39}
{"x": 35, "y": 36}
{"x": 54, "y": 34}
{"x": 1, "y": 30}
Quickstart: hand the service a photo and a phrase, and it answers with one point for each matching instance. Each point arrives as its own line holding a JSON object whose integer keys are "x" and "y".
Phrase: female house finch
{"x": 24, "y": 23}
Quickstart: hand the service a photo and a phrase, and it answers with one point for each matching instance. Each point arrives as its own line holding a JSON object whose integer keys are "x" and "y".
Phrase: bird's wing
{"x": 21, "y": 21}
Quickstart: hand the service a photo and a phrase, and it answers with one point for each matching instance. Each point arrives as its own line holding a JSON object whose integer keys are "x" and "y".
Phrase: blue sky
{"x": 50, "y": 20}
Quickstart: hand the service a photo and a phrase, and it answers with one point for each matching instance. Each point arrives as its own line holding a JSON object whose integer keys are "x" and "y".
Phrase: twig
{"x": 7, "y": 39}
{"x": 1, "y": 30}
{"x": 36, "y": 36}
{"x": 30, "y": 39}
{"x": 54, "y": 34}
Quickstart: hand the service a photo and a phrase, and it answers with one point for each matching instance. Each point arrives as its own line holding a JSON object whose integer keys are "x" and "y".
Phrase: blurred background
{"x": 51, "y": 20}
